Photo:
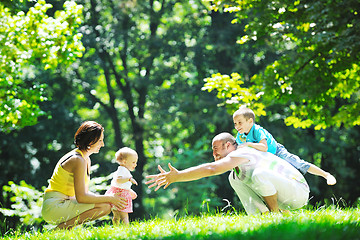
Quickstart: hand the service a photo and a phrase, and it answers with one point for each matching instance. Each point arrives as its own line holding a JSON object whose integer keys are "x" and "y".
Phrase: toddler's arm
{"x": 122, "y": 179}
{"x": 133, "y": 181}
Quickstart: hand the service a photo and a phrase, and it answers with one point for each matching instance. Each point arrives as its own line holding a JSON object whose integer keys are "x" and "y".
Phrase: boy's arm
{"x": 261, "y": 146}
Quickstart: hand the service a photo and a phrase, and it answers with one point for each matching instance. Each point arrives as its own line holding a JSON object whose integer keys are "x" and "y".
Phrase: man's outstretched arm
{"x": 193, "y": 173}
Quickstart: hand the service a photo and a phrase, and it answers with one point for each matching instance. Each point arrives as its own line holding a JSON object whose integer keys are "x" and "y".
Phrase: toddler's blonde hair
{"x": 123, "y": 153}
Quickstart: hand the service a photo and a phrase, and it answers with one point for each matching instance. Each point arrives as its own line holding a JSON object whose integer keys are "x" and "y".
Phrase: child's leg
{"x": 302, "y": 165}
{"x": 116, "y": 217}
{"x": 124, "y": 217}
{"x": 294, "y": 160}
{"x": 330, "y": 179}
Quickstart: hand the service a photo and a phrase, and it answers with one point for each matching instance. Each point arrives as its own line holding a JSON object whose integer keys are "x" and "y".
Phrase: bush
{"x": 23, "y": 206}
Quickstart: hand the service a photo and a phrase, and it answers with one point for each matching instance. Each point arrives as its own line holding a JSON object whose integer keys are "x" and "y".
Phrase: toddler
{"x": 253, "y": 135}
{"x": 121, "y": 183}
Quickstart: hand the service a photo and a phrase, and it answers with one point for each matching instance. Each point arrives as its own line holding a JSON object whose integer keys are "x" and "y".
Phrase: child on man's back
{"x": 253, "y": 135}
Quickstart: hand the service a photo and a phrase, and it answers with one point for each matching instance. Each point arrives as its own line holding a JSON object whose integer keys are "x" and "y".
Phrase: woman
{"x": 67, "y": 201}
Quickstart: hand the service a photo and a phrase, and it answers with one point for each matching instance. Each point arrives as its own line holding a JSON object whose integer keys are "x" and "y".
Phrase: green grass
{"x": 327, "y": 224}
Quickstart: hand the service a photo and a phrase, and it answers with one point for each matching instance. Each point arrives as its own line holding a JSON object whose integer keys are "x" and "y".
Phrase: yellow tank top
{"x": 63, "y": 181}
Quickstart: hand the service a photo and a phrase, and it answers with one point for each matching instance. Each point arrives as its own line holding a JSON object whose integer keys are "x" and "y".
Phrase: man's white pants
{"x": 290, "y": 193}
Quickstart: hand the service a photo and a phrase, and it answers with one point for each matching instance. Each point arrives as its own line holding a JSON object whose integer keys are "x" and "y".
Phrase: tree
{"x": 142, "y": 72}
{"x": 178, "y": 115}
{"x": 313, "y": 83}
{"x": 29, "y": 40}
{"x": 316, "y": 75}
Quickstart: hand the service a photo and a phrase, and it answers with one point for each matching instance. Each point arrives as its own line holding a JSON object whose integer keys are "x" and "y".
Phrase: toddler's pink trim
{"x": 123, "y": 193}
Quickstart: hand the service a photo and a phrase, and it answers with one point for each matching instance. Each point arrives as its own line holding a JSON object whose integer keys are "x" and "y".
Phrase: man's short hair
{"x": 224, "y": 137}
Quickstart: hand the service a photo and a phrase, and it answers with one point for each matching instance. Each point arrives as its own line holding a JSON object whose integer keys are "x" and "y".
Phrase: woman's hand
{"x": 163, "y": 178}
{"x": 119, "y": 202}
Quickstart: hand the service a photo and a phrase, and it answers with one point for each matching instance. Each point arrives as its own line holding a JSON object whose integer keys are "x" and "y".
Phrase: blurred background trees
{"x": 139, "y": 69}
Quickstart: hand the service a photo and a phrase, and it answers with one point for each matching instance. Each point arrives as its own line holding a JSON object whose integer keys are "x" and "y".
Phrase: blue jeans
{"x": 294, "y": 160}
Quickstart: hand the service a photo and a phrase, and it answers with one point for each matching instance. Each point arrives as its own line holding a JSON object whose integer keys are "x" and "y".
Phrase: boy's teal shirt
{"x": 255, "y": 135}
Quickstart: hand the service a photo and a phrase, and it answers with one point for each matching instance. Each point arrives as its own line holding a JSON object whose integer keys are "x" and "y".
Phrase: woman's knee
{"x": 103, "y": 208}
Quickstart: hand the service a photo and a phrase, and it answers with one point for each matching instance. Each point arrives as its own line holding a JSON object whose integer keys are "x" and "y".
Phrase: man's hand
{"x": 163, "y": 178}
{"x": 155, "y": 178}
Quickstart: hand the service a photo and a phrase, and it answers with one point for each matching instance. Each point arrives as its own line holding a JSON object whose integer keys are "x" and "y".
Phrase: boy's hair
{"x": 246, "y": 112}
{"x": 123, "y": 153}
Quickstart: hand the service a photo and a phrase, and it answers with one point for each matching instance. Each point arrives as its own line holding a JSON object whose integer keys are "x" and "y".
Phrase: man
{"x": 262, "y": 181}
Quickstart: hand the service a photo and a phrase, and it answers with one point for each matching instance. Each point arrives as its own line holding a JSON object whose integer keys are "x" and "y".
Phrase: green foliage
{"x": 99, "y": 184}
{"x": 141, "y": 75}
{"x": 316, "y": 75}
{"x": 26, "y": 203}
{"x": 322, "y": 224}
{"x": 232, "y": 91}
{"x": 28, "y": 40}
{"x": 312, "y": 82}
{"x": 185, "y": 198}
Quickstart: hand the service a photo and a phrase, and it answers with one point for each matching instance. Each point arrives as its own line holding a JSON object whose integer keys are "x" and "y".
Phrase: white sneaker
{"x": 330, "y": 179}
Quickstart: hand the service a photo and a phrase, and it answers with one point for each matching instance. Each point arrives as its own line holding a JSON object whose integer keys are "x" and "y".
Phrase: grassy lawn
{"x": 321, "y": 224}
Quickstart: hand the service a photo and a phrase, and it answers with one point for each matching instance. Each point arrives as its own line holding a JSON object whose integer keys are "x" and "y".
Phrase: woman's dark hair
{"x": 88, "y": 133}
